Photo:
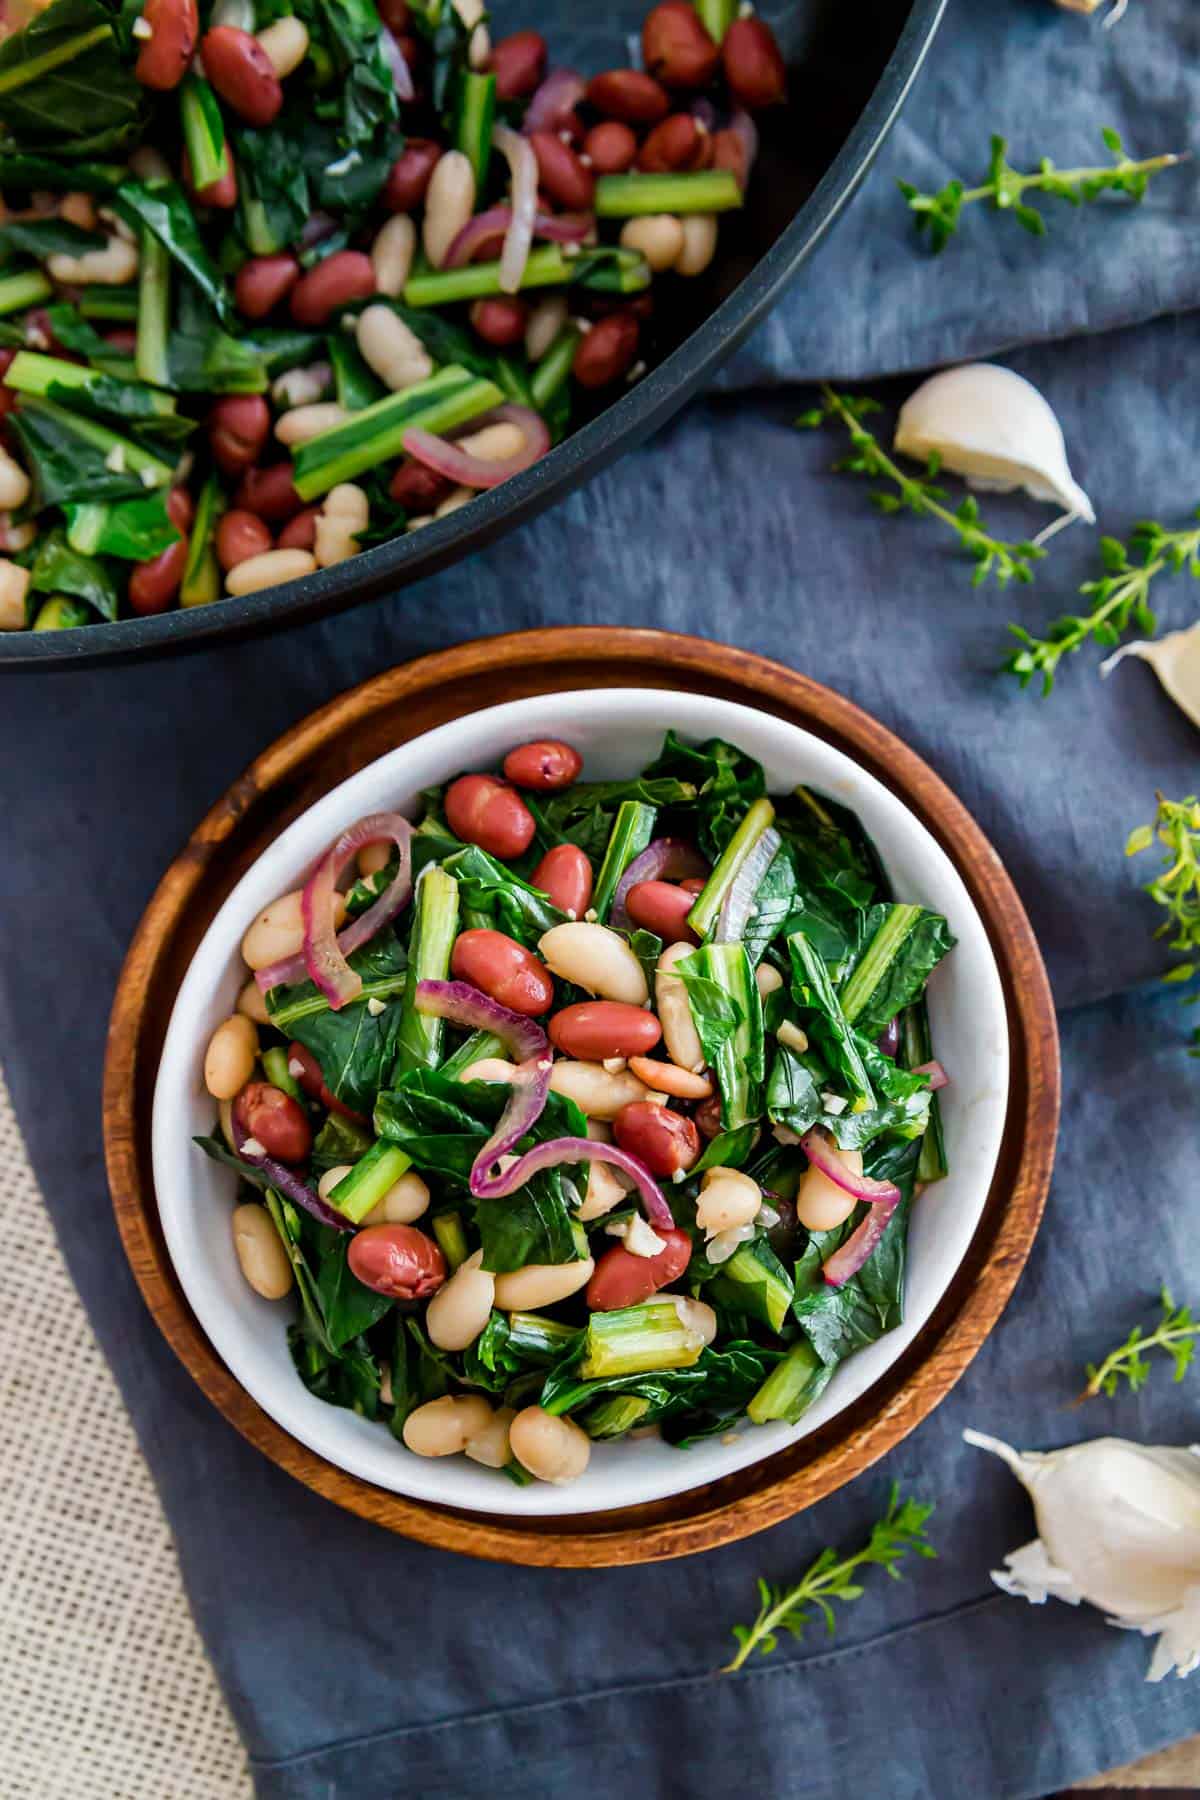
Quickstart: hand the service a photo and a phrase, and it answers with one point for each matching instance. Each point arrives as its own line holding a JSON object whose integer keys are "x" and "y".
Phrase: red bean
{"x": 607, "y": 351}
{"x": 305, "y": 1071}
{"x": 300, "y": 533}
{"x": 563, "y": 177}
{"x": 629, "y": 95}
{"x": 242, "y": 73}
{"x": 622, "y": 1279}
{"x": 500, "y": 321}
{"x": 676, "y": 48}
{"x": 345, "y": 276}
{"x": 504, "y": 969}
{"x": 545, "y": 765}
{"x": 274, "y": 1120}
{"x": 610, "y": 147}
{"x": 180, "y": 509}
{"x": 164, "y": 56}
{"x": 263, "y": 282}
{"x": 409, "y": 177}
{"x": 671, "y": 145}
{"x": 418, "y": 489}
{"x": 728, "y": 151}
{"x": 123, "y": 340}
{"x": 484, "y": 811}
{"x": 237, "y": 430}
{"x": 398, "y": 1260}
{"x": 594, "y": 1030}
{"x": 518, "y": 63}
{"x": 664, "y": 1140}
{"x": 396, "y": 15}
{"x": 241, "y": 535}
{"x": 154, "y": 584}
{"x": 222, "y": 192}
{"x": 708, "y": 1117}
{"x": 661, "y": 907}
{"x": 754, "y": 66}
{"x": 695, "y": 884}
{"x": 269, "y": 493}
{"x": 565, "y": 875}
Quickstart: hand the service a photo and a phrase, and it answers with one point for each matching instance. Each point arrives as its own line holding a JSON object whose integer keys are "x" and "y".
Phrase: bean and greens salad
{"x": 282, "y": 279}
{"x": 583, "y": 1107}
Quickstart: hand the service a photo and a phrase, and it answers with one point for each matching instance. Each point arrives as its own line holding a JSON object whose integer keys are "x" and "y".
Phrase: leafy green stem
{"x": 1177, "y": 889}
{"x": 1176, "y": 1333}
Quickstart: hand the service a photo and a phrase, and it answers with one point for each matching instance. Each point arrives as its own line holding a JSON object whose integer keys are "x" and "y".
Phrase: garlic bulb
{"x": 1120, "y": 1528}
{"x": 994, "y": 428}
{"x": 1175, "y": 659}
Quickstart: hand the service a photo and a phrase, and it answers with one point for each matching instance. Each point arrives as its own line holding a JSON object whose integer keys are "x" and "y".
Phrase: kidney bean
{"x": 663, "y": 908}
{"x": 664, "y": 1140}
{"x": 484, "y": 811}
{"x": 269, "y": 493}
{"x": 500, "y": 321}
{"x": 623, "y": 1279}
{"x": 418, "y": 489}
{"x": 753, "y": 64}
{"x": 305, "y": 1071}
{"x": 545, "y": 765}
{"x": 629, "y": 95}
{"x": 263, "y": 282}
{"x": 123, "y": 340}
{"x": 611, "y": 148}
{"x": 695, "y": 884}
{"x": 518, "y": 63}
{"x": 274, "y": 1120}
{"x": 595, "y": 1030}
{"x": 504, "y": 969}
{"x": 728, "y": 151}
{"x": 242, "y": 73}
{"x": 237, "y": 430}
{"x": 154, "y": 584}
{"x": 607, "y": 351}
{"x": 409, "y": 177}
{"x": 221, "y": 193}
{"x": 395, "y": 15}
{"x": 240, "y": 535}
{"x": 565, "y": 874}
{"x": 345, "y": 276}
{"x": 561, "y": 174}
{"x": 398, "y": 1260}
{"x": 676, "y": 48}
{"x": 300, "y": 533}
{"x": 180, "y": 510}
{"x": 708, "y": 1117}
{"x": 164, "y": 56}
{"x": 672, "y": 145}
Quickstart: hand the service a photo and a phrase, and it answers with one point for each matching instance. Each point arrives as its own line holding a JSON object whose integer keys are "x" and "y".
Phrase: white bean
{"x": 545, "y": 322}
{"x": 305, "y": 422}
{"x": 78, "y": 209}
{"x": 490, "y": 1446}
{"x": 16, "y": 537}
{"x": 392, "y": 255}
{"x": 252, "y": 1002}
{"x": 658, "y": 236}
{"x": 331, "y": 1177}
{"x": 113, "y": 266}
{"x": 14, "y": 580}
{"x": 820, "y": 1203}
{"x": 460, "y": 497}
{"x": 767, "y": 979}
{"x": 459, "y": 1311}
{"x": 301, "y": 387}
{"x": 231, "y": 1055}
{"x": 489, "y": 1068}
{"x": 268, "y": 570}
{"x": 345, "y": 512}
{"x": 789, "y": 1033}
{"x": 596, "y": 1092}
{"x": 445, "y": 1427}
{"x": 694, "y": 1315}
{"x": 286, "y": 44}
{"x": 727, "y": 1199}
{"x": 675, "y": 1011}
{"x": 261, "y": 1257}
{"x": 14, "y": 483}
{"x": 495, "y": 443}
{"x": 595, "y": 958}
{"x": 449, "y": 203}
{"x": 552, "y": 1448}
{"x": 278, "y": 930}
{"x": 541, "y": 1284}
{"x": 606, "y": 1188}
{"x": 699, "y": 243}
{"x": 395, "y": 352}
{"x": 407, "y": 1199}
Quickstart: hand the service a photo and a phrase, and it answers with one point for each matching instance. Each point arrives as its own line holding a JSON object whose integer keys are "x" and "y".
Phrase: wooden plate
{"x": 392, "y": 708}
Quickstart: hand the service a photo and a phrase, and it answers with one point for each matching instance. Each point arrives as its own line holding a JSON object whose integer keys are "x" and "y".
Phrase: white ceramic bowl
{"x": 618, "y": 731}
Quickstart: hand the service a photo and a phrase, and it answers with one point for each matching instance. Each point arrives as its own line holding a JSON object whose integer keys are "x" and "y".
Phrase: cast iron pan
{"x": 852, "y": 66}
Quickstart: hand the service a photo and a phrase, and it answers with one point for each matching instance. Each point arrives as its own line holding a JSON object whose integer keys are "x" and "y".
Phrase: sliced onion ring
{"x": 734, "y": 915}
{"x": 935, "y": 1074}
{"x": 518, "y": 239}
{"x": 821, "y": 1152}
{"x": 665, "y": 859}
{"x": 557, "y": 1151}
{"x": 289, "y": 1183}
{"x": 553, "y": 105}
{"x": 888, "y": 1041}
{"x": 486, "y": 231}
{"x": 470, "y": 471}
{"x": 849, "y": 1257}
{"x": 465, "y": 1005}
{"x": 397, "y": 63}
{"x": 324, "y": 956}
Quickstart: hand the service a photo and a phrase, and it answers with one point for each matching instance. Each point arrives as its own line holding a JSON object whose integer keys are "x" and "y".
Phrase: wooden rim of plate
{"x": 394, "y": 707}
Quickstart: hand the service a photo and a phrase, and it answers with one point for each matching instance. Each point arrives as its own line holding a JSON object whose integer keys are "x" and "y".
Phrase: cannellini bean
{"x": 14, "y": 483}
{"x": 113, "y": 266}
{"x": 345, "y": 512}
{"x": 386, "y": 343}
{"x": 14, "y": 580}
{"x": 594, "y": 1090}
{"x": 252, "y": 1002}
{"x": 791, "y": 1035}
{"x": 445, "y": 1427}
{"x": 606, "y": 1189}
{"x": 489, "y": 1068}
{"x": 541, "y": 1284}
{"x": 372, "y": 858}
{"x": 449, "y": 203}
{"x": 78, "y": 209}
{"x": 669, "y": 1078}
{"x": 727, "y": 1199}
{"x": 552, "y": 1448}
{"x": 495, "y": 443}
{"x": 331, "y": 1177}
{"x": 261, "y": 1257}
{"x": 820, "y": 1203}
{"x": 658, "y": 236}
{"x": 286, "y": 44}
{"x": 459, "y": 1311}
{"x": 407, "y": 1199}
{"x": 392, "y": 255}
{"x": 768, "y": 979}
{"x": 301, "y": 387}
{"x": 694, "y": 1315}
{"x": 460, "y": 497}
{"x": 675, "y": 1012}
{"x": 479, "y": 47}
{"x": 16, "y": 537}
{"x": 268, "y": 570}
{"x": 230, "y": 1057}
{"x": 490, "y": 1446}
{"x": 545, "y": 322}
{"x": 699, "y": 243}
{"x": 305, "y": 422}
{"x": 278, "y": 930}
{"x": 595, "y": 958}
{"x": 149, "y": 164}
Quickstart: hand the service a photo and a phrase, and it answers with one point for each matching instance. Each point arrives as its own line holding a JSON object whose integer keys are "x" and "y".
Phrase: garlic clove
{"x": 1175, "y": 659}
{"x": 994, "y": 428}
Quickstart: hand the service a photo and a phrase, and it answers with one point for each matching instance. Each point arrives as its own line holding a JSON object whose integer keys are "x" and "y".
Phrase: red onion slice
{"x": 397, "y": 63}
{"x": 888, "y": 1041}
{"x": 317, "y": 227}
{"x": 935, "y": 1073}
{"x": 849, "y": 1258}
{"x": 289, "y": 1183}
{"x": 518, "y": 153}
{"x": 734, "y": 915}
{"x": 553, "y": 105}
{"x": 470, "y": 471}
{"x": 324, "y": 956}
{"x": 666, "y": 859}
{"x": 821, "y": 1151}
{"x": 468, "y": 1006}
{"x": 556, "y": 1151}
{"x": 486, "y": 231}
{"x": 745, "y": 128}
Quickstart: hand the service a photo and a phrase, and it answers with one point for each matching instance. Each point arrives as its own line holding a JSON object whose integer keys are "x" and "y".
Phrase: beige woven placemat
{"x": 107, "y": 1692}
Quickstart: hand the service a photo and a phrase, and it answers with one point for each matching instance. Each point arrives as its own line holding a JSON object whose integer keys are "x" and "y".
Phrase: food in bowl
{"x": 583, "y": 1108}
{"x": 283, "y": 281}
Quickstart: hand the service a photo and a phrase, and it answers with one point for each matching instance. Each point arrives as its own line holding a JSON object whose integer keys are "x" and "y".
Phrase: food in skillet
{"x": 581, "y": 1107}
{"x": 282, "y": 279}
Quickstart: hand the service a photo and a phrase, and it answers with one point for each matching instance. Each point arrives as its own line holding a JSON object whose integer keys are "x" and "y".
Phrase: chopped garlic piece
{"x": 375, "y": 1006}
{"x": 638, "y": 1237}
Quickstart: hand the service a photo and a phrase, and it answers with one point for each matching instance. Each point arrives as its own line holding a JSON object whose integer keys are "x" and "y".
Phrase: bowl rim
{"x": 621, "y": 426}
{"x": 547, "y": 661}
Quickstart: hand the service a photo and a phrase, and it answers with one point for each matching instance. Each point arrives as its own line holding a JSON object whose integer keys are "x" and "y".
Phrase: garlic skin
{"x": 1120, "y": 1528}
{"x": 1175, "y": 659}
{"x": 994, "y": 428}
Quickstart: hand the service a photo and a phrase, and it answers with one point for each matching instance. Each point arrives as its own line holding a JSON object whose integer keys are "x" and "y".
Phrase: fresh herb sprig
{"x": 1119, "y": 600}
{"x": 830, "y": 1577}
{"x": 1176, "y": 1333}
{"x": 1005, "y": 188}
{"x": 919, "y": 494}
{"x": 1177, "y": 889}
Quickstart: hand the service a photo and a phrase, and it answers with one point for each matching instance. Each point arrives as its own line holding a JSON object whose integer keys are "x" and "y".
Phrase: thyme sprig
{"x": 919, "y": 494}
{"x": 1177, "y": 889}
{"x": 829, "y": 1578}
{"x": 1176, "y": 1333}
{"x": 1006, "y": 186}
{"x": 1119, "y": 599}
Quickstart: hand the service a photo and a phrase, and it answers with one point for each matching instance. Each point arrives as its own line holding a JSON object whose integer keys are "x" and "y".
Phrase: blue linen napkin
{"x": 360, "y": 1665}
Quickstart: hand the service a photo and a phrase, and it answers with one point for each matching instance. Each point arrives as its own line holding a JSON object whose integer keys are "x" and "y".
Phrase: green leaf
{"x": 65, "y": 87}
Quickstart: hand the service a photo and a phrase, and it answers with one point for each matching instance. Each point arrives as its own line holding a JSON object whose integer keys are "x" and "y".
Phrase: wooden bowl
{"x": 399, "y": 705}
